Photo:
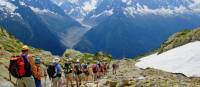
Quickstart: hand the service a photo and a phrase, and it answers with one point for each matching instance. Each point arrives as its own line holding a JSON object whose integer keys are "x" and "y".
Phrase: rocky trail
{"x": 128, "y": 75}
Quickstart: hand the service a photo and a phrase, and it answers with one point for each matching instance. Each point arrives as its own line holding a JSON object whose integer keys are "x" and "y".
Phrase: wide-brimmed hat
{"x": 25, "y": 47}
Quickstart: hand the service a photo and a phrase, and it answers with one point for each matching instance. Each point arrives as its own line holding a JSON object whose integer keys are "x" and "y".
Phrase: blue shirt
{"x": 58, "y": 68}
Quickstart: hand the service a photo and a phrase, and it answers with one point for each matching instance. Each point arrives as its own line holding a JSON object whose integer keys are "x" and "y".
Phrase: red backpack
{"x": 94, "y": 68}
{"x": 17, "y": 66}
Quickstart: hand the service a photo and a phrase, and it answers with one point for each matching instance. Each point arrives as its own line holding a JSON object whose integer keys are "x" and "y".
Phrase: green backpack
{"x": 68, "y": 68}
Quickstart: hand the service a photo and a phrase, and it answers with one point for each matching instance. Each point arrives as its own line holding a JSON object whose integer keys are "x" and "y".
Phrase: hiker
{"x": 114, "y": 68}
{"x": 54, "y": 72}
{"x": 94, "y": 70}
{"x": 85, "y": 70}
{"x": 99, "y": 69}
{"x": 68, "y": 72}
{"x": 105, "y": 67}
{"x": 37, "y": 78}
{"x": 26, "y": 70}
{"x": 77, "y": 72}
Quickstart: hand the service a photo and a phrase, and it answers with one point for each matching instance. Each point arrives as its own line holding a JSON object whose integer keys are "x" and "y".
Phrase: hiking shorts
{"x": 26, "y": 82}
{"x": 68, "y": 75}
{"x": 56, "y": 82}
{"x": 86, "y": 73}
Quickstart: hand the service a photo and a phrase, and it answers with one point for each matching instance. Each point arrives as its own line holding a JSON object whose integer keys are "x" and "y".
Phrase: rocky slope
{"x": 180, "y": 38}
{"x": 9, "y": 46}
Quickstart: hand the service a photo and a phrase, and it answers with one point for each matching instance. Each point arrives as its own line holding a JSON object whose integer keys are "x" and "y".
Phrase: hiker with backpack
{"x": 99, "y": 69}
{"x": 37, "y": 78}
{"x": 85, "y": 70}
{"x": 105, "y": 68}
{"x": 56, "y": 80}
{"x": 95, "y": 71}
{"x": 22, "y": 67}
{"x": 54, "y": 72}
{"x": 68, "y": 72}
{"x": 115, "y": 66}
{"x": 77, "y": 72}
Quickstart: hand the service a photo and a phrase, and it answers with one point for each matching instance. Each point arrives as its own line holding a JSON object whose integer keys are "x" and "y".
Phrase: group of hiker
{"x": 29, "y": 72}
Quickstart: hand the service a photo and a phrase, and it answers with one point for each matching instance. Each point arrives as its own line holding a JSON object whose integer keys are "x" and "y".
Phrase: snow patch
{"x": 22, "y": 3}
{"x": 41, "y": 11}
{"x": 184, "y": 59}
{"x": 106, "y": 12}
{"x": 90, "y": 5}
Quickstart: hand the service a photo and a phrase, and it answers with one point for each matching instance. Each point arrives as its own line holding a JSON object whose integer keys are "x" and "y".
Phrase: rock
{"x": 90, "y": 85}
{"x": 112, "y": 83}
{"x": 125, "y": 82}
{"x": 5, "y": 83}
{"x": 102, "y": 82}
{"x": 141, "y": 78}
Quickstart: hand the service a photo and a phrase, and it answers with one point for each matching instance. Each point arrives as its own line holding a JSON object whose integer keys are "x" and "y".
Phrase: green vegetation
{"x": 85, "y": 57}
{"x": 179, "y": 39}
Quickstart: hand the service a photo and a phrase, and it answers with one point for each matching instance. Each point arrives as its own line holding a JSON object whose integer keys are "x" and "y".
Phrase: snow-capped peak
{"x": 8, "y": 9}
{"x": 132, "y": 7}
{"x": 6, "y": 5}
{"x": 90, "y": 5}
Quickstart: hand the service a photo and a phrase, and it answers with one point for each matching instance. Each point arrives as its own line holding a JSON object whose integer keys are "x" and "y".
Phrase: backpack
{"x": 94, "y": 68}
{"x": 77, "y": 68}
{"x": 85, "y": 66}
{"x": 16, "y": 67}
{"x": 67, "y": 68}
{"x": 20, "y": 67}
{"x": 51, "y": 71}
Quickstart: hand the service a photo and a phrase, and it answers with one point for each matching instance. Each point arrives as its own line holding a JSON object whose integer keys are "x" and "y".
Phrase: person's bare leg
{"x": 79, "y": 80}
{"x": 66, "y": 81}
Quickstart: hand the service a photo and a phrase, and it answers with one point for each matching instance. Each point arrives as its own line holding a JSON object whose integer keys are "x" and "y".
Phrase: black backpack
{"x": 78, "y": 69}
{"x": 51, "y": 71}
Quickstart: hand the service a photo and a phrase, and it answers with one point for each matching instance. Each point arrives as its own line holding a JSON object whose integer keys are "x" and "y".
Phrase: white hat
{"x": 77, "y": 60}
{"x": 56, "y": 59}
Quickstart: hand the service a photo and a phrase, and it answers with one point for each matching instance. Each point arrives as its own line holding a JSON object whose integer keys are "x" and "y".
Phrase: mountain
{"x": 123, "y": 29}
{"x": 77, "y": 8}
{"x": 179, "y": 39}
{"x": 37, "y": 23}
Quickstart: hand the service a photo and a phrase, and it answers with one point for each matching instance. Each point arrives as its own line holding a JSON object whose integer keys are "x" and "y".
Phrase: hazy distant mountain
{"x": 39, "y": 23}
